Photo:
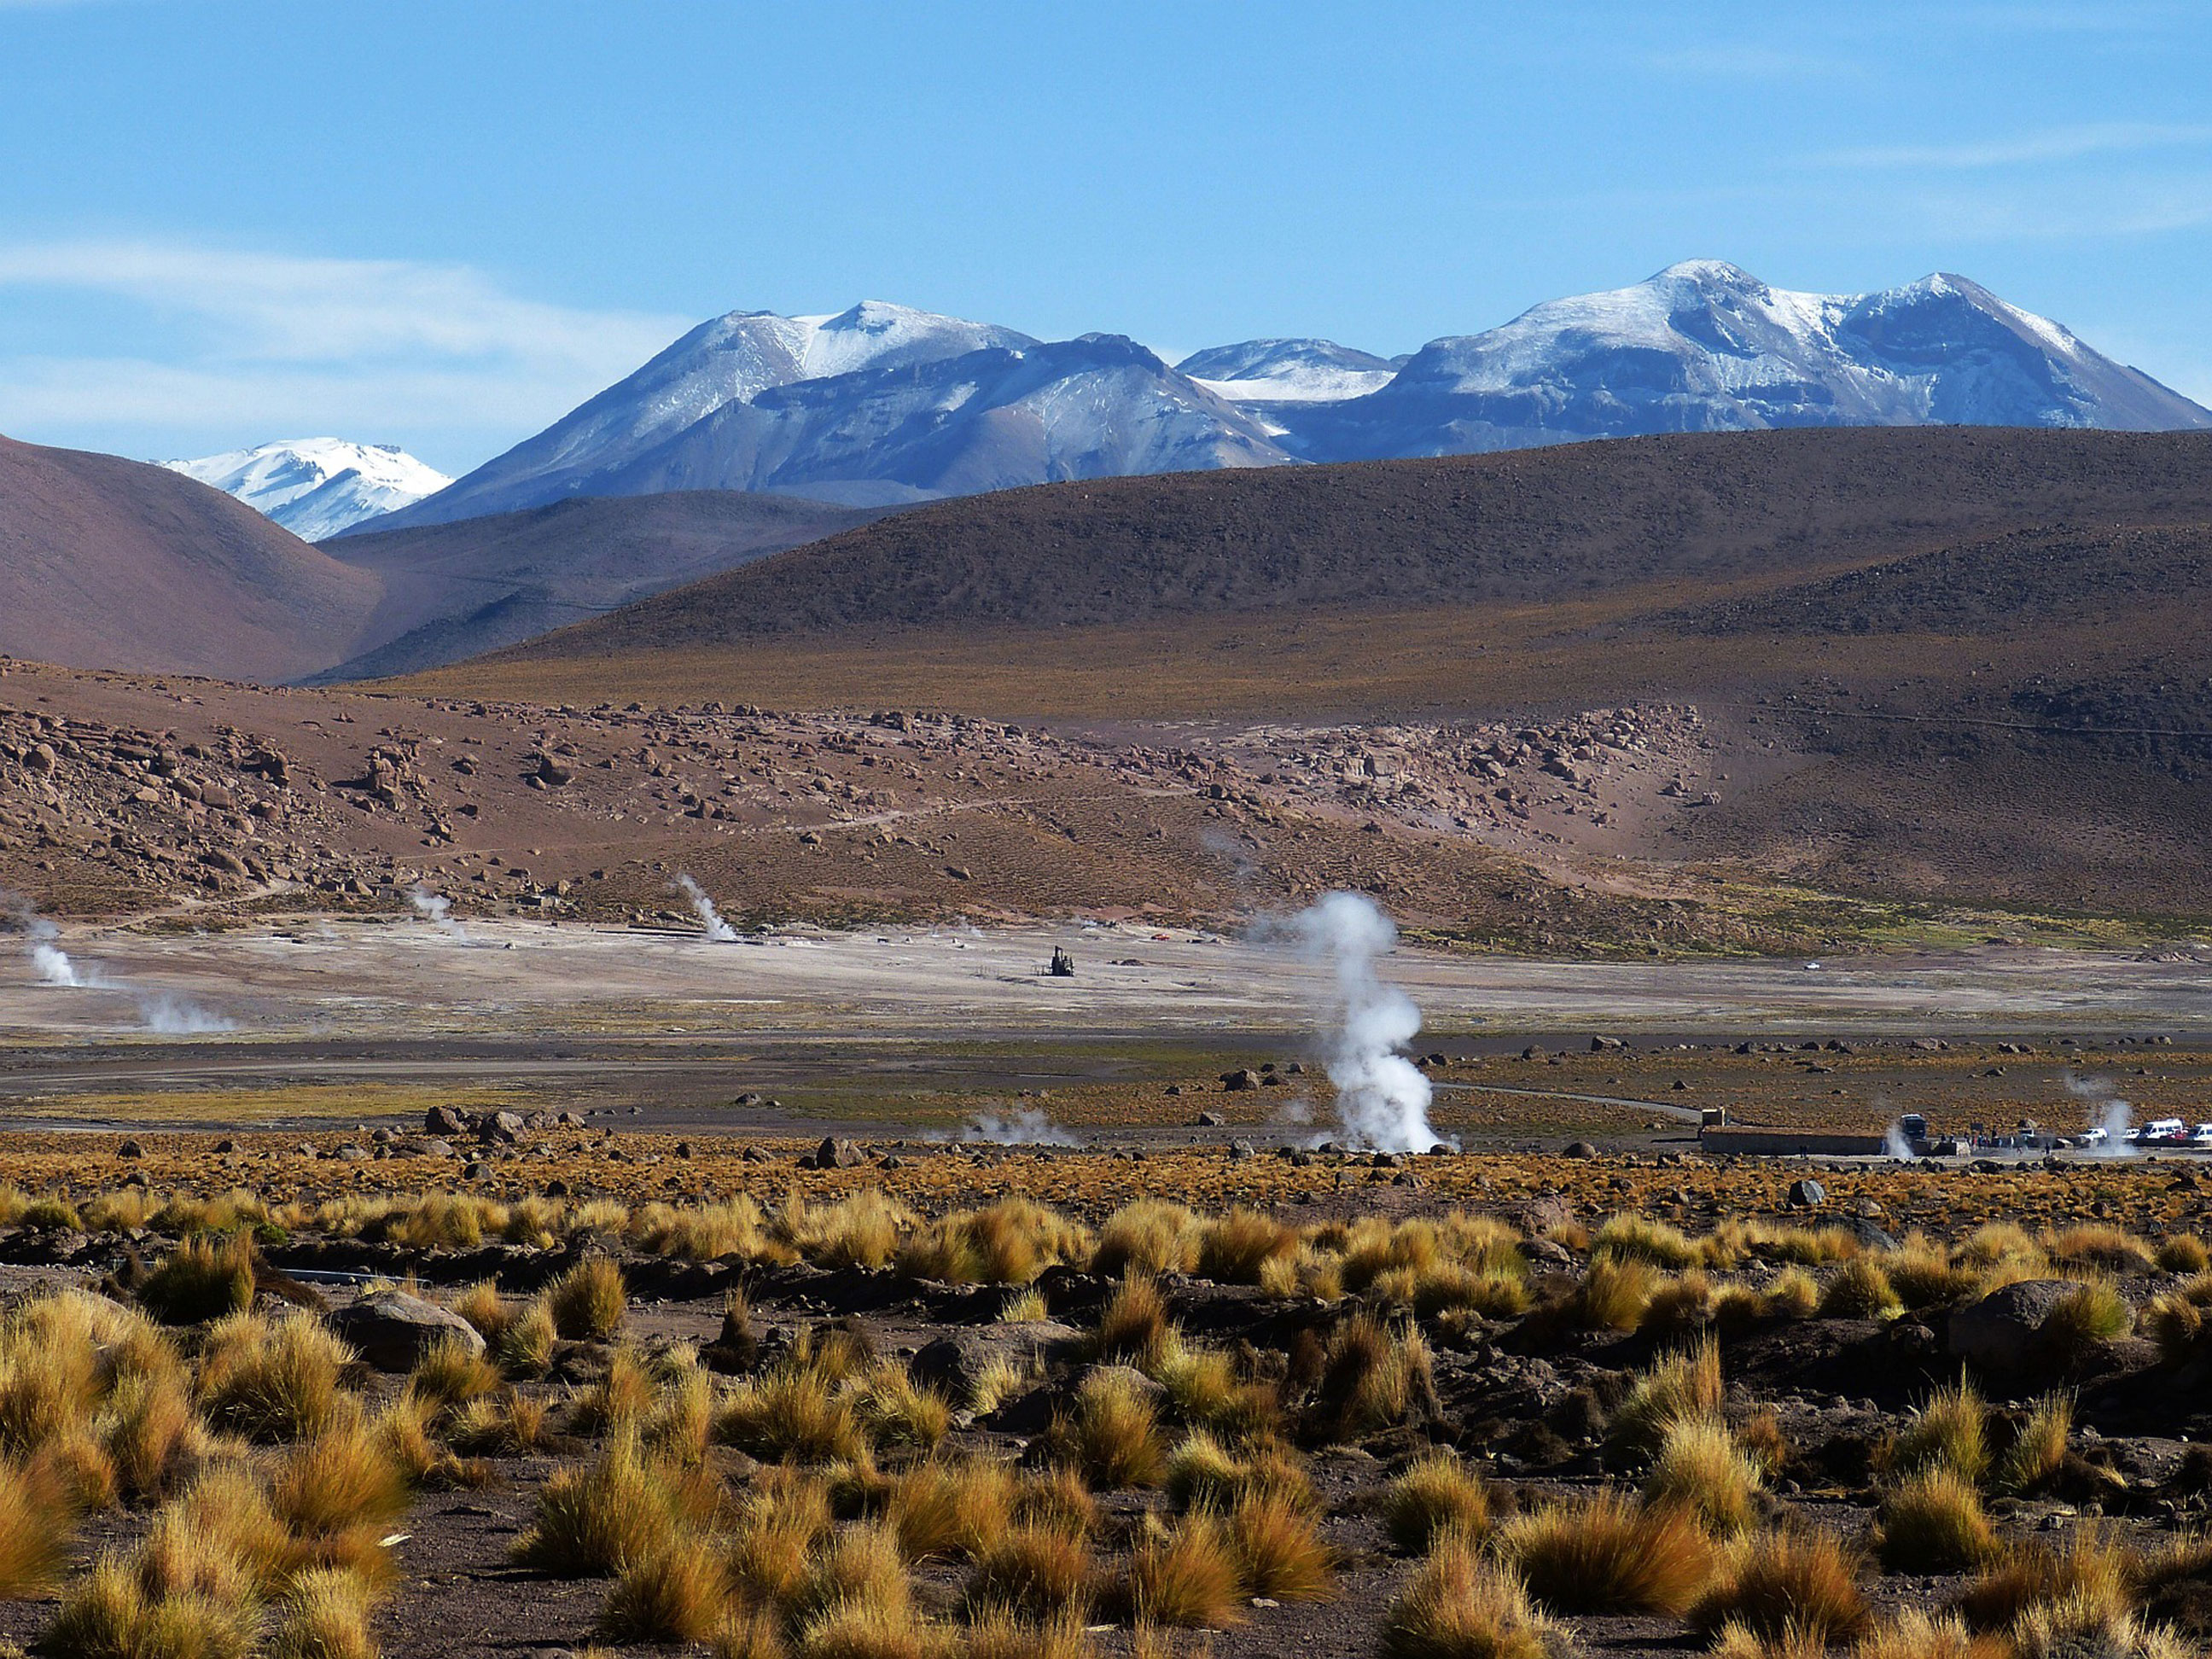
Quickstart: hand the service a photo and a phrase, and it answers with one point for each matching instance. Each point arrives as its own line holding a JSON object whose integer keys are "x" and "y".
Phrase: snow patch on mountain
{"x": 1287, "y": 370}
{"x": 316, "y": 487}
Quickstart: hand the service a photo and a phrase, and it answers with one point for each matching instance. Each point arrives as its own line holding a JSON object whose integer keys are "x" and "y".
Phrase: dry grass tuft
{"x": 1701, "y": 1469}
{"x": 1679, "y": 1388}
{"x": 1612, "y": 1295}
{"x": 1279, "y": 1551}
{"x": 1147, "y": 1236}
{"x": 1037, "y": 1572}
{"x": 2037, "y": 1451}
{"x": 323, "y": 1615}
{"x": 1135, "y": 1329}
{"x": 1607, "y": 1556}
{"x": 1236, "y": 1248}
{"x": 792, "y": 1412}
{"x": 2091, "y": 1313}
{"x": 998, "y": 1634}
{"x": 1861, "y": 1289}
{"x": 784, "y": 1517}
{"x": 36, "y": 1517}
{"x": 1949, "y": 1431}
{"x": 275, "y": 1379}
{"x": 108, "y": 1614}
{"x": 1934, "y": 1522}
{"x": 678, "y": 1593}
{"x": 1437, "y": 1494}
{"x": 151, "y": 1434}
{"x": 202, "y": 1278}
{"x": 1374, "y": 1377}
{"x": 587, "y": 1302}
{"x": 1185, "y": 1576}
{"x": 1112, "y": 1437}
{"x": 949, "y": 1509}
{"x": 1913, "y": 1634}
{"x": 1782, "y": 1582}
{"x": 454, "y": 1371}
{"x": 622, "y": 1509}
{"x": 1457, "y": 1606}
{"x": 525, "y": 1348}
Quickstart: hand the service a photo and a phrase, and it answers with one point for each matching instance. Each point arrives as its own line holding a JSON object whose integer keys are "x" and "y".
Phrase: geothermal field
{"x": 502, "y": 1281}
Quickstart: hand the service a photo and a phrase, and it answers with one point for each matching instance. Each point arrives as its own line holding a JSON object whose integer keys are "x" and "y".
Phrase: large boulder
{"x": 2004, "y": 1333}
{"x": 392, "y": 1330}
{"x": 956, "y": 1362}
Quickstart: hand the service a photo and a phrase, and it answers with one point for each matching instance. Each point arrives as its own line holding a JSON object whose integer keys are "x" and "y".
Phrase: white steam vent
{"x": 719, "y": 931}
{"x": 438, "y": 910}
{"x": 1381, "y": 1098}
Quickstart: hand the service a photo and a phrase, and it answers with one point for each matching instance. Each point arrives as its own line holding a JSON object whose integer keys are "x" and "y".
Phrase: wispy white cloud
{"x": 2069, "y": 143}
{"x": 268, "y": 342}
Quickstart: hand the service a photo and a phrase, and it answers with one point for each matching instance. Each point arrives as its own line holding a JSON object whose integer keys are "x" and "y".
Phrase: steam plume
{"x": 1381, "y": 1098}
{"x": 437, "y": 910}
{"x": 2107, "y": 1112}
{"x": 172, "y": 1016}
{"x": 719, "y": 931}
{"x": 1027, "y": 1126}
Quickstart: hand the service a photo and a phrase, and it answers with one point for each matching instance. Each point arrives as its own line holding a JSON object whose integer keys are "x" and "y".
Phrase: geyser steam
{"x": 438, "y": 910}
{"x": 1024, "y": 1126}
{"x": 719, "y": 931}
{"x": 2107, "y": 1112}
{"x": 1381, "y": 1098}
{"x": 48, "y": 960}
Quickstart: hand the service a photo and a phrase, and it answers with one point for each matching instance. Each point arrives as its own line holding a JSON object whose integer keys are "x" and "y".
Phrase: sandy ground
{"x": 339, "y": 979}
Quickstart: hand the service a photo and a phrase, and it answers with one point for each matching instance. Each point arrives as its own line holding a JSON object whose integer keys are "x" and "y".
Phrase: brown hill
{"x": 456, "y": 590}
{"x": 1539, "y": 526}
{"x": 110, "y": 563}
{"x": 1929, "y": 666}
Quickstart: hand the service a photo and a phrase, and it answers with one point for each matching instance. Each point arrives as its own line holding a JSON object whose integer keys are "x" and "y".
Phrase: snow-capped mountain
{"x": 730, "y": 360}
{"x": 316, "y": 487}
{"x": 1706, "y": 347}
{"x": 1101, "y": 406}
{"x": 881, "y": 404}
{"x": 1288, "y": 371}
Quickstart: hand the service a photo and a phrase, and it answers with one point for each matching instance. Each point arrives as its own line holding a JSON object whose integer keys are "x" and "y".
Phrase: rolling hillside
{"x": 111, "y": 563}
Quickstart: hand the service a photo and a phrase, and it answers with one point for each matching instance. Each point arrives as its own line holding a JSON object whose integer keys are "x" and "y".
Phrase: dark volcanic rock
{"x": 392, "y": 1330}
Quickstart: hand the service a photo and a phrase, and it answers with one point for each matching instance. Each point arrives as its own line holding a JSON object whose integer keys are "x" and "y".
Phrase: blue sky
{"x": 442, "y": 225}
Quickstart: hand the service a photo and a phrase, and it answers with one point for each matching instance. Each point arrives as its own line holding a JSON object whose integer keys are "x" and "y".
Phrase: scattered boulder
{"x": 444, "y": 1120}
{"x": 1580, "y": 1149}
{"x": 392, "y": 1330}
{"x": 954, "y": 1363}
{"x": 2003, "y": 1333}
{"x": 1237, "y": 1081}
{"x": 1806, "y": 1194}
{"x": 836, "y": 1154}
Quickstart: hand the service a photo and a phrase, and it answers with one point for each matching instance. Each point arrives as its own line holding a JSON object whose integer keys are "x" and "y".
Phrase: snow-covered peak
{"x": 875, "y": 334}
{"x": 316, "y": 487}
{"x": 1287, "y": 370}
